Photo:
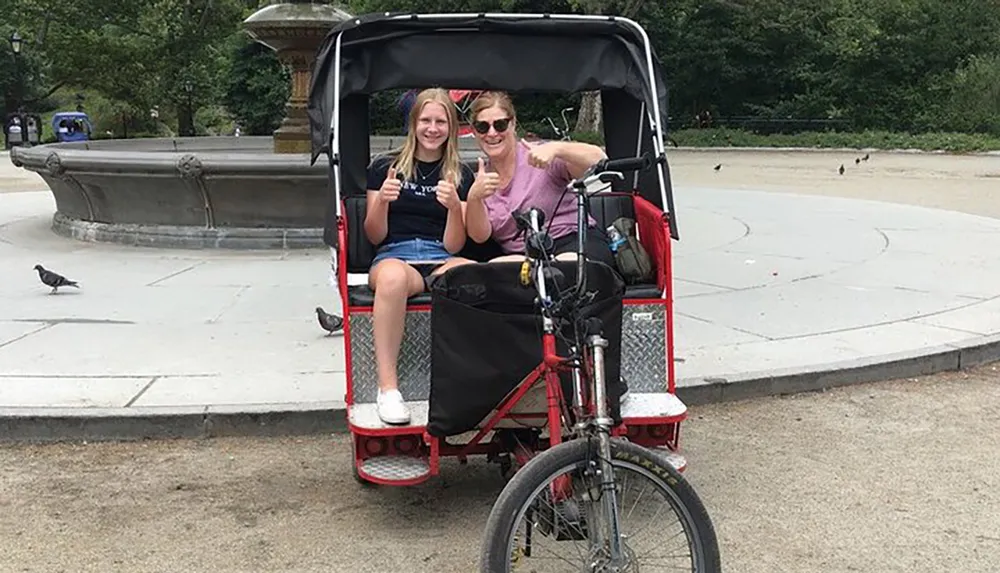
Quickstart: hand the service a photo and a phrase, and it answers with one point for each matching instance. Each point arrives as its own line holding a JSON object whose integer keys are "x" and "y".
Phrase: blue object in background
{"x": 406, "y": 102}
{"x": 71, "y": 126}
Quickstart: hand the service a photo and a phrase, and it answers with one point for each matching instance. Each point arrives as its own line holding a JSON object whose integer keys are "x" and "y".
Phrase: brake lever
{"x": 610, "y": 176}
{"x": 523, "y": 218}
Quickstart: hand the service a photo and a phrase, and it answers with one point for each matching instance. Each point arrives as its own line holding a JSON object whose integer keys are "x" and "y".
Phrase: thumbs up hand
{"x": 486, "y": 183}
{"x": 389, "y": 191}
{"x": 540, "y": 155}
{"x": 447, "y": 195}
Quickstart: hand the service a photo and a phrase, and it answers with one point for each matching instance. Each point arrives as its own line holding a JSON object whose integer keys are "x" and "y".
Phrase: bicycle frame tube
{"x": 581, "y": 240}
{"x": 335, "y": 128}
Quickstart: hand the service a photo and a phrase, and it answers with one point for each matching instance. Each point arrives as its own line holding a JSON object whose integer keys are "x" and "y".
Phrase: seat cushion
{"x": 607, "y": 207}
{"x": 360, "y": 251}
{"x": 642, "y": 291}
{"x": 362, "y": 295}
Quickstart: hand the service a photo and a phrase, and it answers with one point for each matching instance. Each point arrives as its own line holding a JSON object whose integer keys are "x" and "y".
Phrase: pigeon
{"x": 865, "y": 158}
{"x": 54, "y": 280}
{"x": 857, "y": 161}
{"x": 718, "y": 167}
{"x": 329, "y": 322}
{"x": 841, "y": 170}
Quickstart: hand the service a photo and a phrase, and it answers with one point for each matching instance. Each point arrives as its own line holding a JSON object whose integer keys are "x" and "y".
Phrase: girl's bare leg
{"x": 394, "y": 282}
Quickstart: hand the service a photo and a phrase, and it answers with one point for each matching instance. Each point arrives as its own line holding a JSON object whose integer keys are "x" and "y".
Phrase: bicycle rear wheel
{"x": 549, "y": 517}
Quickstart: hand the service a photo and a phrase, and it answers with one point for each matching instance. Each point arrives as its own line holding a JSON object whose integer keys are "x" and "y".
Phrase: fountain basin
{"x": 199, "y": 192}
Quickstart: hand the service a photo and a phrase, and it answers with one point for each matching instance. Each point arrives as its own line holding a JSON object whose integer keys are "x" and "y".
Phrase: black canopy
{"x": 510, "y": 52}
{"x": 556, "y": 53}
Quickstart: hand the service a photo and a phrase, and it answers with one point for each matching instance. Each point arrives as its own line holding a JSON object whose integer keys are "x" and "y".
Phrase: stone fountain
{"x": 294, "y": 31}
{"x": 203, "y": 192}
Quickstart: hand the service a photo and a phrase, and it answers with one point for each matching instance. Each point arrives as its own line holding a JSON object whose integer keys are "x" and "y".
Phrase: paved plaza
{"x": 776, "y": 290}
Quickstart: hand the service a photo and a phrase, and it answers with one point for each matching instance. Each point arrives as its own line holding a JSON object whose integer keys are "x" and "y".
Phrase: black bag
{"x": 632, "y": 259}
{"x": 487, "y": 336}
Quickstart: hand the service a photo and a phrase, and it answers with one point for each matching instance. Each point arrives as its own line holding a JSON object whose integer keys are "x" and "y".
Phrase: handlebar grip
{"x": 626, "y": 164}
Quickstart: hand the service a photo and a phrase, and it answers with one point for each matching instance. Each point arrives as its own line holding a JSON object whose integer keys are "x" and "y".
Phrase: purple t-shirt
{"x": 532, "y": 187}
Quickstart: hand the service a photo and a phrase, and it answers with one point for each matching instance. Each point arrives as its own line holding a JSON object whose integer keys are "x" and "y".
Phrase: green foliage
{"x": 139, "y": 53}
{"x": 973, "y": 97}
{"x": 883, "y": 64}
{"x": 257, "y": 88}
{"x": 874, "y": 139}
{"x": 877, "y": 66}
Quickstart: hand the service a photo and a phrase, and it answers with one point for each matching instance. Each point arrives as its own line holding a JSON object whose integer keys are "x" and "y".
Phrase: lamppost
{"x": 15, "y": 42}
{"x": 188, "y": 88}
{"x": 15, "y": 46}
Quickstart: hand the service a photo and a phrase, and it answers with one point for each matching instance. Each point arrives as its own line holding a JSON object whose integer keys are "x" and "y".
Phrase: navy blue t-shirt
{"x": 416, "y": 213}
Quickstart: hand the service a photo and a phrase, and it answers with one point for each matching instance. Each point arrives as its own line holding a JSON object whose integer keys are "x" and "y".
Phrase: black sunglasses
{"x": 483, "y": 127}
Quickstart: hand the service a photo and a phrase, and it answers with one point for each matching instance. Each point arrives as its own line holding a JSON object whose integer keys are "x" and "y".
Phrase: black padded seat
{"x": 362, "y": 295}
{"x": 606, "y": 208}
{"x": 360, "y": 251}
{"x": 642, "y": 291}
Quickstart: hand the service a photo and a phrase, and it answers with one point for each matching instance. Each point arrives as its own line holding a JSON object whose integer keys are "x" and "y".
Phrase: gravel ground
{"x": 896, "y": 476}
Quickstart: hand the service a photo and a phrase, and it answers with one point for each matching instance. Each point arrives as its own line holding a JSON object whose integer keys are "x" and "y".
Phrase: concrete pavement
{"x": 775, "y": 293}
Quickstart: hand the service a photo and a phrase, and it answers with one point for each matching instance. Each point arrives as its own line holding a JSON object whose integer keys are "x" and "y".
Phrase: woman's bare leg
{"x": 509, "y": 259}
{"x": 450, "y": 264}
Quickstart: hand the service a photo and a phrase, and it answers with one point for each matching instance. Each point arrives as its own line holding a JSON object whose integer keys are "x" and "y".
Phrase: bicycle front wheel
{"x": 550, "y": 516}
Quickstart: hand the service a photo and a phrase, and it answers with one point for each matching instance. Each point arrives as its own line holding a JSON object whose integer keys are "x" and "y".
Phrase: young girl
{"x": 416, "y": 215}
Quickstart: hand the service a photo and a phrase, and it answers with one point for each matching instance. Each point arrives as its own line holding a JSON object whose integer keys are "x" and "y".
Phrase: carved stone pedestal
{"x": 294, "y": 30}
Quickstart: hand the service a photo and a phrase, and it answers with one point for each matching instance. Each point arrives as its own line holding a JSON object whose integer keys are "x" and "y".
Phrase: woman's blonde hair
{"x": 451, "y": 162}
{"x": 489, "y": 99}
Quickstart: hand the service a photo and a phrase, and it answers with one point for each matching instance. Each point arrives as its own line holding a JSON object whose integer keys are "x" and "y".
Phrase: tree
{"x": 258, "y": 88}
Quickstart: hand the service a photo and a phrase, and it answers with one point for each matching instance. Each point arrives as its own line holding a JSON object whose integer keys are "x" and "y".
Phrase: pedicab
{"x": 524, "y": 364}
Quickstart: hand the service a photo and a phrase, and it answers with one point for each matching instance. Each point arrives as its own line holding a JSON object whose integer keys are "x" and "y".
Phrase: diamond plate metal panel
{"x": 644, "y": 347}
{"x": 413, "y": 368}
{"x": 643, "y": 353}
{"x": 396, "y": 468}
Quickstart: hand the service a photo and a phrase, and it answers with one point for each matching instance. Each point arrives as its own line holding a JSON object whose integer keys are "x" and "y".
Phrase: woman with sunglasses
{"x": 523, "y": 175}
{"x": 416, "y": 220}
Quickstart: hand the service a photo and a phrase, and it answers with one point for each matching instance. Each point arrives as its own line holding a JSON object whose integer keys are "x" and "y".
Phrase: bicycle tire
{"x": 510, "y": 505}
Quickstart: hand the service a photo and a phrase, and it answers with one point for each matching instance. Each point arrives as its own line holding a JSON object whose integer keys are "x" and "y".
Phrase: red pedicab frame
{"x": 476, "y": 51}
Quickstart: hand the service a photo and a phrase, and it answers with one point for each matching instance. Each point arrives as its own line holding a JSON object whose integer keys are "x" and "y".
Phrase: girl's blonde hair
{"x": 406, "y": 155}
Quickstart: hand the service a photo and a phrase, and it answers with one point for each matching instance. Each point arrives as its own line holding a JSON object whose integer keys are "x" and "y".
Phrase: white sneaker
{"x": 391, "y": 407}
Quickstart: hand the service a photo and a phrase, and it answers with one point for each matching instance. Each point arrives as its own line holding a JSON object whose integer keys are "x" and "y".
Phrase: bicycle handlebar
{"x": 538, "y": 244}
{"x": 624, "y": 164}
{"x": 606, "y": 170}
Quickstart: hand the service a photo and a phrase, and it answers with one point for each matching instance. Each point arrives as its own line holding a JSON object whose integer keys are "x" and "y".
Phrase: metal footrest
{"x": 365, "y": 416}
{"x": 406, "y": 469}
{"x": 639, "y": 405}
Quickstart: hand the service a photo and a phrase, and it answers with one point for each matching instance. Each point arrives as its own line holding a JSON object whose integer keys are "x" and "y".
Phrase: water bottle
{"x": 617, "y": 240}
